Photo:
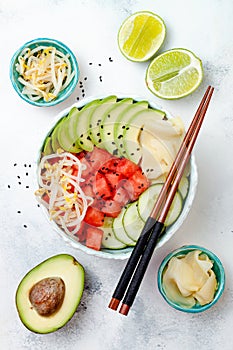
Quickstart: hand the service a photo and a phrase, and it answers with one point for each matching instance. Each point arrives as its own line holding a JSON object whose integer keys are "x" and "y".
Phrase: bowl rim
{"x": 124, "y": 253}
{"x": 69, "y": 88}
{"x": 178, "y": 252}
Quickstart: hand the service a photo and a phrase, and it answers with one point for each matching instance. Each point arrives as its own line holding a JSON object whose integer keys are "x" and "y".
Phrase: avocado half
{"x": 49, "y": 294}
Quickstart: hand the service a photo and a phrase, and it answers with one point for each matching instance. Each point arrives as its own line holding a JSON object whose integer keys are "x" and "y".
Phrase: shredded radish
{"x": 67, "y": 203}
{"x": 44, "y": 72}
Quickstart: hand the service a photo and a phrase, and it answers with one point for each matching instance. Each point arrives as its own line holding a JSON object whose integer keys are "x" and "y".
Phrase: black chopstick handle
{"x": 142, "y": 265}
{"x": 133, "y": 259}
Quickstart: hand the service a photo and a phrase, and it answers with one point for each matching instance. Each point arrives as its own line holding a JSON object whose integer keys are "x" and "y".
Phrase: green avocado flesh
{"x": 59, "y": 268}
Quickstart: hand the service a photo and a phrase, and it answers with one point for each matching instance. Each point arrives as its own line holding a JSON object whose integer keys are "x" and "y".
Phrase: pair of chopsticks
{"x": 135, "y": 269}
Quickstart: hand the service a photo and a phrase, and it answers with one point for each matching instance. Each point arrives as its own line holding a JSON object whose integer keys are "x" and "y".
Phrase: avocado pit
{"x": 47, "y": 295}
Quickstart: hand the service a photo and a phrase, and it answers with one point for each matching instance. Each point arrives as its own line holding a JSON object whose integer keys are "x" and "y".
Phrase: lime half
{"x": 174, "y": 74}
{"x": 141, "y": 35}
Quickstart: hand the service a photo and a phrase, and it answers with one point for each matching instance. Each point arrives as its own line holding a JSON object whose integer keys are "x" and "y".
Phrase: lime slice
{"x": 141, "y": 35}
{"x": 174, "y": 74}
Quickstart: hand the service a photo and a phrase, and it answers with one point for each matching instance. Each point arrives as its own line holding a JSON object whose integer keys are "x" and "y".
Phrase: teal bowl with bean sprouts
{"x": 44, "y": 72}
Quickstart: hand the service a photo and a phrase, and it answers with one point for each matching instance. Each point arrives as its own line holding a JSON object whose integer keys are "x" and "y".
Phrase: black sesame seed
{"x": 25, "y": 165}
{"x": 127, "y": 128}
{"x": 100, "y": 78}
{"x": 27, "y": 186}
{"x": 138, "y": 149}
{"x": 81, "y": 135}
{"x": 90, "y": 126}
{"x": 77, "y": 98}
{"x": 88, "y": 138}
{"x": 18, "y": 176}
{"x": 19, "y": 183}
{"x": 121, "y": 146}
{"x": 83, "y": 90}
{"x": 98, "y": 134}
{"x": 38, "y": 205}
{"x": 29, "y": 165}
{"x": 99, "y": 64}
{"x": 19, "y": 212}
{"x": 110, "y": 59}
{"x": 85, "y": 78}
{"x": 123, "y": 127}
{"x": 109, "y": 116}
{"x": 108, "y": 133}
{"x": 25, "y": 226}
{"x": 101, "y": 126}
{"x": 99, "y": 120}
{"x": 9, "y": 186}
{"x": 113, "y": 143}
{"x": 99, "y": 140}
{"x": 15, "y": 164}
{"x": 132, "y": 154}
{"x": 81, "y": 142}
{"x": 83, "y": 95}
{"x": 141, "y": 129}
{"x": 120, "y": 137}
{"x": 90, "y": 63}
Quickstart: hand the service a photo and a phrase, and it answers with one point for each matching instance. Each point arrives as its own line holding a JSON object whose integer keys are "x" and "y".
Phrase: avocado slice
{"x": 54, "y": 136}
{"x": 61, "y": 277}
{"x": 47, "y": 147}
{"x": 108, "y": 122}
{"x": 96, "y": 117}
{"x": 65, "y": 134}
{"x": 122, "y": 121}
{"x": 82, "y": 126}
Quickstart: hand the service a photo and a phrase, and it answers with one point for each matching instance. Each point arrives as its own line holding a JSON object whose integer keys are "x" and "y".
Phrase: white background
{"x": 90, "y": 29}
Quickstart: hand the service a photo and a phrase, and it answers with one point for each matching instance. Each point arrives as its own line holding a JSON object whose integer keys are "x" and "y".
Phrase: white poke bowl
{"x": 124, "y": 253}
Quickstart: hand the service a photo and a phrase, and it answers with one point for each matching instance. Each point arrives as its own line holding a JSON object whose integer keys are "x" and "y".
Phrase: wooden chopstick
{"x": 147, "y": 241}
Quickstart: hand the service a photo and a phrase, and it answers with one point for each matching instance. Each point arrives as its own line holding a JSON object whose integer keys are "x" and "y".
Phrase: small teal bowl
{"x": 64, "y": 94}
{"x": 217, "y": 268}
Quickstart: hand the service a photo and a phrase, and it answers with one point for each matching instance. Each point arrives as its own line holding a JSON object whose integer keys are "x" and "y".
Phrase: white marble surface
{"x": 90, "y": 28}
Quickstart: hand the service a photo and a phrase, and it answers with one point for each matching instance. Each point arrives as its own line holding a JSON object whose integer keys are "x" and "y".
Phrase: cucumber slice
{"x": 148, "y": 198}
{"x": 109, "y": 240}
{"x": 132, "y": 222}
{"x": 184, "y": 186}
{"x": 119, "y": 231}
